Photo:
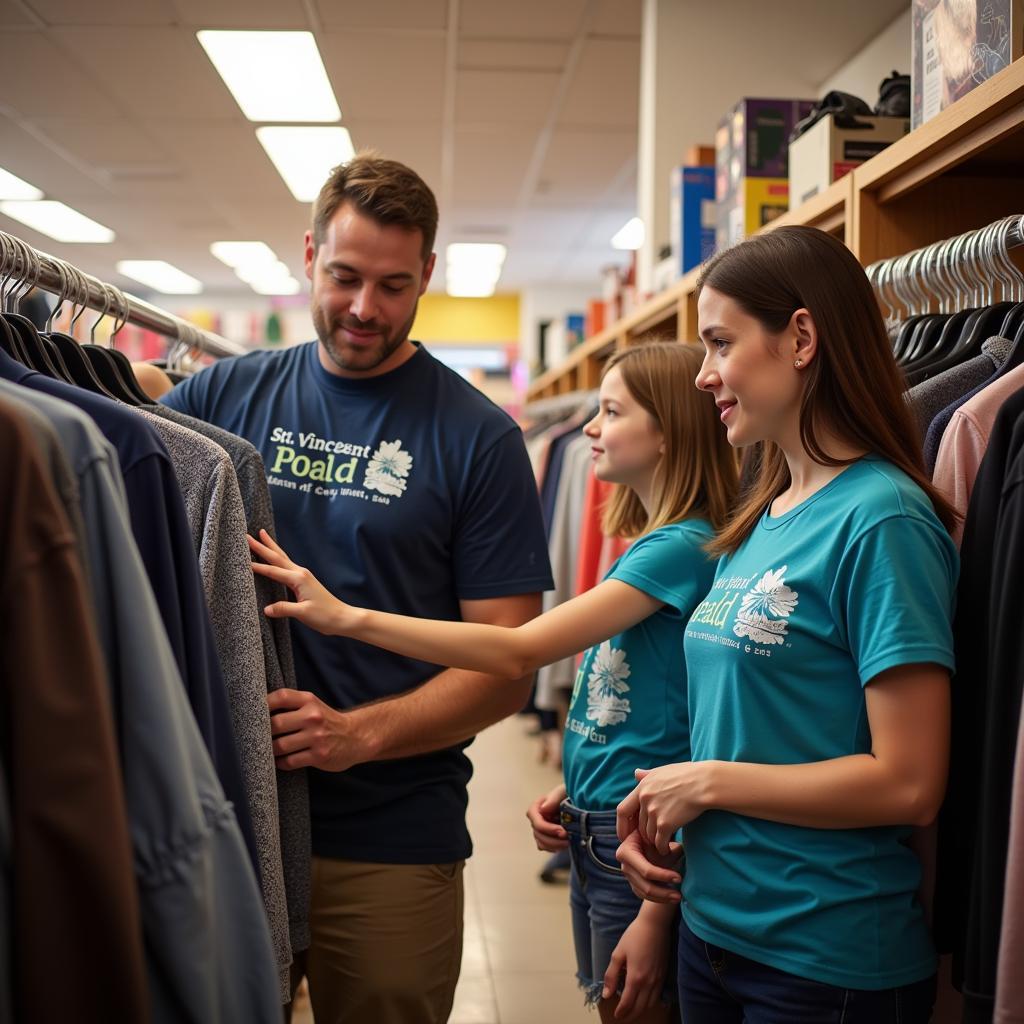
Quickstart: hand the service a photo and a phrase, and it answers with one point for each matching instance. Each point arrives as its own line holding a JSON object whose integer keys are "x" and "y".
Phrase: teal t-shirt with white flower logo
{"x": 628, "y": 705}
{"x": 812, "y": 606}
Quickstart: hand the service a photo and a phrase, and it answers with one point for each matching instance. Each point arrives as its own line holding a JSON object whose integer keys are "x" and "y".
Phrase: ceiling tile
{"x": 13, "y": 15}
{"x": 155, "y": 73}
{"x": 38, "y": 80}
{"x": 525, "y": 19}
{"x": 282, "y": 15}
{"x": 384, "y": 77}
{"x": 118, "y": 13}
{"x": 107, "y": 144}
{"x": 579, "y": 166}
{"x": 504, "y": 97}
{"x": 617, "y": 18}
{"x": 384, "y": 14}
{"x": 508, "y": 55}
{"x": 490, "y": 167}
{"x": 605, "y": 89}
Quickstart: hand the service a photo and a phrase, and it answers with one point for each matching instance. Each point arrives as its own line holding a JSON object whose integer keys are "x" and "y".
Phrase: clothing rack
{"x": 560, "y": 403}
{"x": 959, "y": 271}
{"x": 58, "y": 277}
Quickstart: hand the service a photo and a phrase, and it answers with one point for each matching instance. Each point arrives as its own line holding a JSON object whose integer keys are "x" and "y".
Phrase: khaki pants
{"x": 386, "y": 942}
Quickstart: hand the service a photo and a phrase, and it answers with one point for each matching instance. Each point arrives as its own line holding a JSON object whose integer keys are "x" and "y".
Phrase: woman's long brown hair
{"x": 697, "y": 475}
{"x": 852, "y": 387}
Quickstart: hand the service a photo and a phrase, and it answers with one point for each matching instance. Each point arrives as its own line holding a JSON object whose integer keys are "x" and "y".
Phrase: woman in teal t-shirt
{"x": 660, "y": 441}
{"x": 818, "y": 664}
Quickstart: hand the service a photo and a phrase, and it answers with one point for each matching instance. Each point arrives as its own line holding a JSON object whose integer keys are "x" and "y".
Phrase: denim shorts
{"x": 603, "y": 905}
{"x": 720, "y": 987}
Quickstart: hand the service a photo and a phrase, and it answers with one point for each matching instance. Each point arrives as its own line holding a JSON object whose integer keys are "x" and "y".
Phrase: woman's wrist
{"x": 348, "y": 621}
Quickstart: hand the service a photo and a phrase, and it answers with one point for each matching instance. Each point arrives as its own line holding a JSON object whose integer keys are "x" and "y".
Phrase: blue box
{"x": 693, "y": 216}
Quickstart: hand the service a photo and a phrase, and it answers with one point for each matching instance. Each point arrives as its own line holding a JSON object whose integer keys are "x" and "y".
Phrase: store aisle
{"x": 518, "y": 965}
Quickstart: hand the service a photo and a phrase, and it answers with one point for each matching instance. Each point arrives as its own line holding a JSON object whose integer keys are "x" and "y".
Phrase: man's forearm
{"x": 448, "y": 709}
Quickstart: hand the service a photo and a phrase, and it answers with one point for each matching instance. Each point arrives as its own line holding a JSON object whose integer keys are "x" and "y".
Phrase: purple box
{"x": 753, "y": 141}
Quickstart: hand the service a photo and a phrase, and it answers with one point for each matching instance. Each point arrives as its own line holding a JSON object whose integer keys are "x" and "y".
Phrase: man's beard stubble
{"x": 368, "y": 359}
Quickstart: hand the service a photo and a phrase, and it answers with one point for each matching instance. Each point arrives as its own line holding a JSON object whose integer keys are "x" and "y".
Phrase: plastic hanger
{"x": 42, "y": 357}
{"x": 80, "y": 371}
{"x": 105, "y": 367}
{"x": 121, "y": 361}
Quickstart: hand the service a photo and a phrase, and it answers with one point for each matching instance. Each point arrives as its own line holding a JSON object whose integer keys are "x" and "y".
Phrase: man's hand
{"x": 651, "y": 875}
{"x": 309, "y": 734}
{"x": 548, "y": 834}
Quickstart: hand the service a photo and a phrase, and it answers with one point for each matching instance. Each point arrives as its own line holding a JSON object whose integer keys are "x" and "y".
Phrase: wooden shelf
{"x": 961, "y": 170}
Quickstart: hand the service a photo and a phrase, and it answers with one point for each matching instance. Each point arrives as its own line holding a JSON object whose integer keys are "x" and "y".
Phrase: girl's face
{"x": 750, "y": 372}
{"x": 626, "y": 442}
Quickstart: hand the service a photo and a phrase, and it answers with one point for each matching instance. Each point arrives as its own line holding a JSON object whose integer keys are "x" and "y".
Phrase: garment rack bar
{"x": 560, "y": 403}
{"x": 139, "y": 312}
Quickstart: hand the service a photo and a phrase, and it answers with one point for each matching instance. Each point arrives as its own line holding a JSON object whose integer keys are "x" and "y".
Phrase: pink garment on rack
{"x": 965, "y": 441}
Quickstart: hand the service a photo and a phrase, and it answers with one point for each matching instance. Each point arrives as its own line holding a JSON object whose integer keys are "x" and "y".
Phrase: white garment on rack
{"x": 563, "y": 549}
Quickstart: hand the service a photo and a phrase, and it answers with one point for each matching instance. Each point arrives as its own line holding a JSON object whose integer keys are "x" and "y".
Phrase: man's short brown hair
{"x": 385, "y": 190}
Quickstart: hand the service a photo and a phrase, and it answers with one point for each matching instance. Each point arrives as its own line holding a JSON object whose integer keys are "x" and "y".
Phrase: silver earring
{"x": 798, "y": 363}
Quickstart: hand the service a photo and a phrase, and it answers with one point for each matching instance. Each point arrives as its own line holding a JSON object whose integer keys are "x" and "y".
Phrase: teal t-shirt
{"x": 815, "y": 603}
{"x": 628, "y": 706}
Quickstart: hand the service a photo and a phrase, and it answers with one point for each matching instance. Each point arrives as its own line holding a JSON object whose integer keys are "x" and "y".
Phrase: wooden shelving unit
{"x": 961, "y": 170}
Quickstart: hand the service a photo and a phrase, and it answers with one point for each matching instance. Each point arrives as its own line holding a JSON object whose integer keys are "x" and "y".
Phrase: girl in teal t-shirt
{"x": 818, "y": 664}
{"x": 660, "y": 441}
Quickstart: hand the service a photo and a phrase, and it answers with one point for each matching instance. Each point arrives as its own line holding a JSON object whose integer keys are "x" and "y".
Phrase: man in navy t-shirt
{"x": 403, "y": 489}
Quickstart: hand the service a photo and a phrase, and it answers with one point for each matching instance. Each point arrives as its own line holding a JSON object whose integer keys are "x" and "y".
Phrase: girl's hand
{"x": 642, "y": 955}
{"x": 651, "y": 875}
{"x": 314, "y": 605}
{"x": 665, "y": 800}
{"x": 543, "y": 818}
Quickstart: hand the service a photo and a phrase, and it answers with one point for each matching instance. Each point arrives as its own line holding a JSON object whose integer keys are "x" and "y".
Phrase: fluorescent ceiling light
{"x": 305, "y": 156}
{"x": 473, "y": 268}
{"x": 274, "y": 76}
{"x": 13, "y": 187}
{"x": 630, "y": 235}
{"x": 277, "y": 286}
{"x": 276, "y": 271}
{"x": 475, "y": 254}
{"x": 57, "y": 221}
{"x": 161, "y": 276}
{"x": 244, "y": 254}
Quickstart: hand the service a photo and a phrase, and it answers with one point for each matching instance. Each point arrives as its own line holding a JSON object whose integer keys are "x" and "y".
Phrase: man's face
{"x": 367, "y": 279}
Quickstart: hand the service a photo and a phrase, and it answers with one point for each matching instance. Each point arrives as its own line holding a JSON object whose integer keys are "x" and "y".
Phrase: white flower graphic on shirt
{"x": 607, "y": 683}
{"x": 769, "y": 597}
{"x": 388, "y": 469}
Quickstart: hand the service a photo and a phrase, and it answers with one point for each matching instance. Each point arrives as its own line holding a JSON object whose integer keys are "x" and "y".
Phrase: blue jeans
{"x": 719, "y": 987}
{"x": 603, "y": 905}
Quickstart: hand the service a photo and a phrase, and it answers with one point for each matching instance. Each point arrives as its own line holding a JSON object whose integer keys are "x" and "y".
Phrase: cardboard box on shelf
{"x": 757, "y": 202}
{"x": 700, "y": 156}
{"x": 752, "y": 164}
{"x": 752, "y": 141}
{"x": 692, "y": 217}
{"x": 956, "y": 45}
{"x": 826, "y": 152}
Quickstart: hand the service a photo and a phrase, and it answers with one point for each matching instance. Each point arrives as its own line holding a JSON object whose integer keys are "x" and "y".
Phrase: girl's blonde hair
{"x": 697, "y": 475}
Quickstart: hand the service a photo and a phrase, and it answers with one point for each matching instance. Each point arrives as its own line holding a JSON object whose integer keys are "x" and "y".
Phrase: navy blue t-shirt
{"x": 405, "y": 493}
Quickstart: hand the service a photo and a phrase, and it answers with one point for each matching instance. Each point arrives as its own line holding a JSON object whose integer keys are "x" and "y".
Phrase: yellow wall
{"x": 442, "y": 318}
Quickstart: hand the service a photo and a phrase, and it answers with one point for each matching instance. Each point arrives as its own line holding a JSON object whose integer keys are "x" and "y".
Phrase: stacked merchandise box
{"x": 826, "y": 152}
{"x": 752, "y": 165}
{"x": 692, "y": 217}
{"x": 957, "y": 45}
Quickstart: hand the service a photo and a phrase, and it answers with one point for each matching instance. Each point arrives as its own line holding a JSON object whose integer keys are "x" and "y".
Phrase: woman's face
{"x": 626, "y": 442}
{"x": 750, "y": 372}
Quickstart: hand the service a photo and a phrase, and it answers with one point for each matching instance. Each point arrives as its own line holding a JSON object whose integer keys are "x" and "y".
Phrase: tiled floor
{"x": 517, "y": 964}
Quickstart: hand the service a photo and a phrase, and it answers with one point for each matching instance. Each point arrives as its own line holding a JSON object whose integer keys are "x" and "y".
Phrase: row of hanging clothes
{"x": 955, "y": 314}
{"x": 572, "y": 500}
{"x": 156, "y": 864}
